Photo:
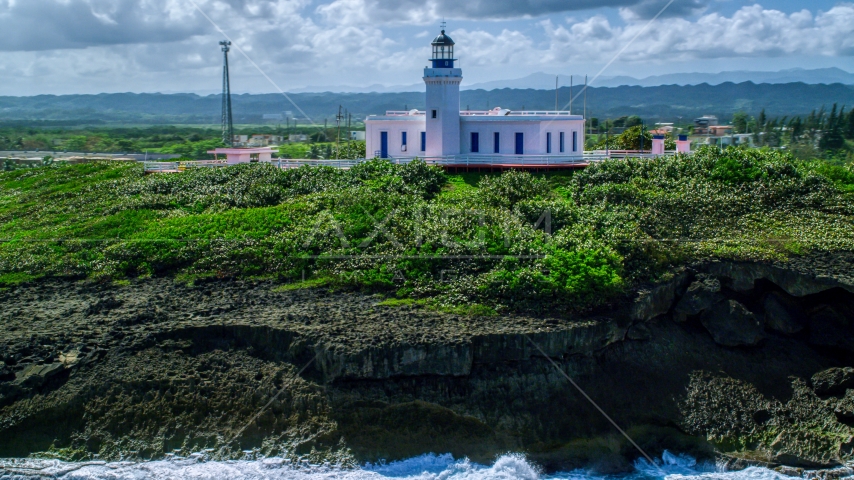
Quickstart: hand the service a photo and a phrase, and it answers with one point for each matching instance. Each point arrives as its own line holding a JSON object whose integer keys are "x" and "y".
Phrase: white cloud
{"x": 422, "y": 12}
{"x": 480, "y": 48}
{"x": 750, "y": 32}
{"x": 63, "y": 46}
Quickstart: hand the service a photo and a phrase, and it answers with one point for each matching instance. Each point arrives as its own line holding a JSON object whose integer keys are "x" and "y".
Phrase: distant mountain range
{"x": 546, "y": 81}
{"x": 826, "y": 76}
{"x": 661, "y": 103}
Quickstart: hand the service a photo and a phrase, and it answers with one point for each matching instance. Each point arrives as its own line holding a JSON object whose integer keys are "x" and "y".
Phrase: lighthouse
{"x": 443, "y": 99}
{"x": 442, "y": 134}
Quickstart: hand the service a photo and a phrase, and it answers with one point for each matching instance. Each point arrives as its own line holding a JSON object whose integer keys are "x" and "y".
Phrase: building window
{"x": 548, "y": 142}
{"x": 435, "y": 113}
{"x": 497, "y": 143}
{"x": 520, "y": 143}
{"x": 475, "y": 142}
{"x": 423, "y": 141}
{"x": 383, "y": 153}
{"x": 562, "y": 142}
{"x": 574, "y": 141}
{"x": 403, "y": 138}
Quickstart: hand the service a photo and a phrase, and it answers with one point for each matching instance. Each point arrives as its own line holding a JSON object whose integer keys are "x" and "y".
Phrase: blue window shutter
{"x": 497, "y": 146}
{"x": 549, "y": 142}
{"x": 475, "y": 142}
{"x": 383, "y": 144}
{"x": 423, "y": 141}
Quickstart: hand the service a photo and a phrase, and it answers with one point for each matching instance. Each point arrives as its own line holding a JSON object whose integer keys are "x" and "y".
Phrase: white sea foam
{"x": 424, "y": 467}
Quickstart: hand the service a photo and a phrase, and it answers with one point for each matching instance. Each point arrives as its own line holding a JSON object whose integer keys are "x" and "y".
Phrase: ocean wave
{"x": 425, "y": 467}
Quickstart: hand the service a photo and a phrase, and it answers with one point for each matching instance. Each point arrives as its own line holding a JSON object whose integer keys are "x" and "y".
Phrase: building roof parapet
{"x": 238, "y": 151}
{"x": 516, "y": 113}
{"x": 497, "y": 112}
{"x": 404, "y": 113}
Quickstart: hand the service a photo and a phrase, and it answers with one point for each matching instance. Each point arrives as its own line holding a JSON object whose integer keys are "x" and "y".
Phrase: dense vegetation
{"x": 487, "y": 242}
{"x": 165, "y": 139}
{"x": 821, "y": 133}
{"x": 187, "y": 141}
{"x": 323, "y": 150}
{"x": 633, "y": 138}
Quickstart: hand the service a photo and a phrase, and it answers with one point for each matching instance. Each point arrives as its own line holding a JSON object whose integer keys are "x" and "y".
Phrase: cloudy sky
{"x": 93, "y": 46}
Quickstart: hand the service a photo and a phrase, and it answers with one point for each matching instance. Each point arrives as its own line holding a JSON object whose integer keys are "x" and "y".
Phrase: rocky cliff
{"x": 747, "y": 359}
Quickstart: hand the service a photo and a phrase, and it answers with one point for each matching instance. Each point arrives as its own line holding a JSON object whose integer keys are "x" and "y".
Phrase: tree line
{"x": 820, "y": 132}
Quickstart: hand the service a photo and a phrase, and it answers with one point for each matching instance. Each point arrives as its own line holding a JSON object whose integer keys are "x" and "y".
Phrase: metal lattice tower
{"x": 227, "y": 123}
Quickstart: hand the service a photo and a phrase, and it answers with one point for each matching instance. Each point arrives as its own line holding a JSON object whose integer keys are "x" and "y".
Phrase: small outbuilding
{"x": 243, "y": 155}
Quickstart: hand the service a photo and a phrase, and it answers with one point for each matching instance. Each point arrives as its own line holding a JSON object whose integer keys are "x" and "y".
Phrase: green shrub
{"x": 733, "y": 171}
{"x": 508, "y": 241}
{"x": 511, "y": 187}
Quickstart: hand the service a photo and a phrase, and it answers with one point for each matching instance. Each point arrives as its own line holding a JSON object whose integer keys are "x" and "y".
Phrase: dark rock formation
{"x": 732, "y": 324}
{"x": 833, "y": 381}
{"x": 140, "y": 370}
{"x": 702, "y": 295}
{"x": 783, "y": 313}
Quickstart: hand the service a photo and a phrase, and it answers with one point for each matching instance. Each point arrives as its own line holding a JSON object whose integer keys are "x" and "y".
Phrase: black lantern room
{"x": 443, "y": 51}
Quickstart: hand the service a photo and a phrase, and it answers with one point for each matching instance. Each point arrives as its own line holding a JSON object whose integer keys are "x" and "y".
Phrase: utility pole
{"x": 338, "y": 136}
{"x": 585, "y": 103}
{"x": 556, "y": 87}
{"x": 227, "y": 122}
{"x": 349, "y": 129}
{"x": 608, "y": 139}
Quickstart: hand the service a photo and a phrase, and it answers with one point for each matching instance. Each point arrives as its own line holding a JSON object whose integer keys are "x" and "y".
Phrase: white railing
{"x": 454, "y": 160}
{"x": 169, "y": 167}
{"x": 626, "y": 154}
{"x": 287, "y": 163}
{"x": 160, "y": 167}
{"x": 505, "y": 160}
{"x": 541, "y": 113}
{"x": 486, "y": 113}
{"x": 512, "y": 113}
{"x": 403, "y": 113}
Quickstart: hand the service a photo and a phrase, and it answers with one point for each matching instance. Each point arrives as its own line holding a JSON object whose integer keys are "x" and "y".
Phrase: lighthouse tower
{"x": 443, "y": 100}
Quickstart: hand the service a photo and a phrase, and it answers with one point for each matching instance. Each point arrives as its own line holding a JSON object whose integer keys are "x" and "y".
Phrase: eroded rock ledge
{"x": 708, "y": 357}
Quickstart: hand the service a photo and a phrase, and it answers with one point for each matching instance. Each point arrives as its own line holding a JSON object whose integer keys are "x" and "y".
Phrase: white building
{"x": 443, "y": 131}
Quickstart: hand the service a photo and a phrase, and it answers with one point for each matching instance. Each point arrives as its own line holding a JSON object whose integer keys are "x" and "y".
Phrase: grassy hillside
{"x": 481, "y": 243}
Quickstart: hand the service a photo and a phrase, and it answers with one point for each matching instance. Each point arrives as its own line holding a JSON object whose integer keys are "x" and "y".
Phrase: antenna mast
{"x": 570, "y": 95}
{"x": 227, "y": 122}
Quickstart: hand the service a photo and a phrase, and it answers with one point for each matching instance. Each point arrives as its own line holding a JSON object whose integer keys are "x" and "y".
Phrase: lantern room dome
{"x": 443, "y": 51}
{"x": 443, "y": 39}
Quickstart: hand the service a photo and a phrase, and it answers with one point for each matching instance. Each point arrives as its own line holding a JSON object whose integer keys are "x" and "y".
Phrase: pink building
{"x": 443, "y": 131}
{"x": 243, "y": 155}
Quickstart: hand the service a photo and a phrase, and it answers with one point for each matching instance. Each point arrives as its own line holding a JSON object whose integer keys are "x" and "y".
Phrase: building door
{"x": 383, "y": 144}
{"x": 520, "y": 143}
